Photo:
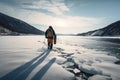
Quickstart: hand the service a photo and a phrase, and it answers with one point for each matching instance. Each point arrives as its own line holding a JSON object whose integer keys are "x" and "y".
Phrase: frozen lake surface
{"x": 72, "y": 58}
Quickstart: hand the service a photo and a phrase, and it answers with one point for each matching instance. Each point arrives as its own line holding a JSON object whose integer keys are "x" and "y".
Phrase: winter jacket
{"x": 53, "y": 34}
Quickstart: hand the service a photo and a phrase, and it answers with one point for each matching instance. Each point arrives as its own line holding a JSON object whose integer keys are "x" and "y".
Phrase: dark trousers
{"x": 50, "y": 43}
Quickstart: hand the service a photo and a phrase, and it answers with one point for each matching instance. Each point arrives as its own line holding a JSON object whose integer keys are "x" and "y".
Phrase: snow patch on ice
{"x": 90, "y": 61}
{"x": 90, "y": 69}
{"x": 100, "y": 77}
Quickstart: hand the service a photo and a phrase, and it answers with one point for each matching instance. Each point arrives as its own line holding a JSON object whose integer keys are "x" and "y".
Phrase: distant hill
{"x": 111, "y": 30}
{"x": 9, "y": 24}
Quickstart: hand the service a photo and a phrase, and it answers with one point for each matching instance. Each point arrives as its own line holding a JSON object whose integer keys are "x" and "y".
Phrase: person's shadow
{"x": 22, "y": 72}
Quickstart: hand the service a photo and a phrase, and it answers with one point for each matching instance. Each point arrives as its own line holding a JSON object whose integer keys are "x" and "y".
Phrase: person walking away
{"x": 51, "y": 37}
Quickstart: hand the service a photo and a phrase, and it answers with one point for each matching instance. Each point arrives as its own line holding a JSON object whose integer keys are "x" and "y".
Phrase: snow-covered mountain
{"x": 111, "y": 30}
{"x": 4, "y": 30}
{"x": 16, "y": 25}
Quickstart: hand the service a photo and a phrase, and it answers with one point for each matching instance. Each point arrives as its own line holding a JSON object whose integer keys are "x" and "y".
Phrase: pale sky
{"x": 66, "y": 16}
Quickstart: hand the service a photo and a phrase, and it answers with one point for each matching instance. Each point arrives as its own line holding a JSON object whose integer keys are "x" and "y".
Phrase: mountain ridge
{"x": 110, "y": 30}
{"x": 17, "y": 25}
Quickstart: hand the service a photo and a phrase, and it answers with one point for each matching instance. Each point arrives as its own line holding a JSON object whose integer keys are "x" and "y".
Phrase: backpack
{"x": 49, "y": 33}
